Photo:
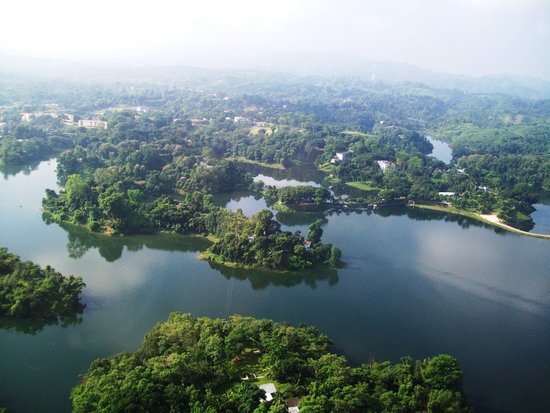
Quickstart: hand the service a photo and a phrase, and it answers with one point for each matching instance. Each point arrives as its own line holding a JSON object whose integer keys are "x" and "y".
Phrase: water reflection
{"x": 81, "y": 240}
{"x": 35, "y": 326}
{"x": 261, "y": 279}
{"x": 12, "y": 170}
{"x": 306, "y": 174}
{"x": 248, "y": 202}
{"x": 293, "y": 219}
{"x": 419, "y": 214}
{"x": 409, "y": 287}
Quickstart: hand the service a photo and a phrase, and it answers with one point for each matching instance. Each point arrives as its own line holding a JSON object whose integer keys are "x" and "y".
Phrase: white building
{"x": 385, "y": 165}
{"x": 26, "y": 117}
{"x": 340, "y": 156}
{"x": 92, "y": 124}
{"x": 269, "y": 389}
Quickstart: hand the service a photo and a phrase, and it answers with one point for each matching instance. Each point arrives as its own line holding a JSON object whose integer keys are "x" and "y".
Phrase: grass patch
{"x": 364, "y": 185}
{"x": 355, "y": 133}
{"x": 210, "y": 237}
{"x": 257, "y": 129}
{"x": 282, "y": 207}
{"x": 326, "y": 167}
{"x": 242, "y": 159}
{"x": 265, "y": 380}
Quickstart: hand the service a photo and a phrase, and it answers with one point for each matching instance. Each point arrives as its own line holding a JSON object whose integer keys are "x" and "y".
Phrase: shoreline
{"x": 482, "y": 218}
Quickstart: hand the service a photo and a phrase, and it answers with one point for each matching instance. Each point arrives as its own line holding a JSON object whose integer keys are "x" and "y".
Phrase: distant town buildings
{"x": 51, "y": 106}
{"x": 68, "y": 119}
{"x": 240, "y": 119}
{"x": 196, "y": 122}
{"x": 51, "y": 112}
{"x": 26, "y": 116}
{"x": 92, "y": 124}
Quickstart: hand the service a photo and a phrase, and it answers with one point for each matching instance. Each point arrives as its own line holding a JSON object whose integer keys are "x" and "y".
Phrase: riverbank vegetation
{"x": 290, "y": 198}
{"x": 201, "y": 364}
{"x": 162, "y": 140}
{"x": 28, "y": 291}
{"x": 257, "y": 241}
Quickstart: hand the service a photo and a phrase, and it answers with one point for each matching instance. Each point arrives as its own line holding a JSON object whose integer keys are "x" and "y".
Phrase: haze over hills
{"x": 284, "y": 67}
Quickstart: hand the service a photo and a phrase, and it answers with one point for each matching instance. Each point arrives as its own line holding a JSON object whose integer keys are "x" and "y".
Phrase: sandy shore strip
{"x": 491, "y": 219}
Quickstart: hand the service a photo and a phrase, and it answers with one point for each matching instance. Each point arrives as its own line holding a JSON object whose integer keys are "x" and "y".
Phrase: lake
{"x": 415, "y": 283}
{"x": 441, "y": 150}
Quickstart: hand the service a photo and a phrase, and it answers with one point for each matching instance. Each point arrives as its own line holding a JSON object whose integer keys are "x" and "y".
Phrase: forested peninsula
{"x": 28, "y": 291}
{"x": 189, "y": 364}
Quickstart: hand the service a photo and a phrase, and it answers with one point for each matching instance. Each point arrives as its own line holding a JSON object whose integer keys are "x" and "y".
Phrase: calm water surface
{"x": 541, "y": 216}
{"x": 441, "y": 150}
{"x": 415, "y": 283}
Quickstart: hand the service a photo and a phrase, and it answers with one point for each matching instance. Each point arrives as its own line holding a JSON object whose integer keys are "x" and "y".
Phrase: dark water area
{"x": 415, "y": 283}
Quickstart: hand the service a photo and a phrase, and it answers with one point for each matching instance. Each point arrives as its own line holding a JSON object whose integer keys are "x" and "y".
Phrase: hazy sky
{"x": 474, "y": 37}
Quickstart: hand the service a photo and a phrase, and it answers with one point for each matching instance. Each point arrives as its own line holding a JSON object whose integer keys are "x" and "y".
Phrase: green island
{"x": 123, "y": 207}
{"x": 291, "y": 198}
{"x": 28, "y": 291}
{"x": 189, "y": 364}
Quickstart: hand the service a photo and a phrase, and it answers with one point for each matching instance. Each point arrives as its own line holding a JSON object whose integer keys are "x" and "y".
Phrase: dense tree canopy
{"x": 189, "y": 364}
{"x": 30, "y": 292}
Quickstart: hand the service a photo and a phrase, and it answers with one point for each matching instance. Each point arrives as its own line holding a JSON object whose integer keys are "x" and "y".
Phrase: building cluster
{"x": 92, "y": 124}
{"x": 270, "y": 390}
{"x": 53, "y": 110}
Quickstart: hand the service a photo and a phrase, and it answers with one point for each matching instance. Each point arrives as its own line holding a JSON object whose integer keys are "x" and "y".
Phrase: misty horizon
{"x": 460, "y": 37}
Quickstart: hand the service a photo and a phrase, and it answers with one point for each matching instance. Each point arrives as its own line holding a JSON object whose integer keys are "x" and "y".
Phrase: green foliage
{"x": 315, "y": 232}
{"x": 180, "y": 146}
{"x": 191, "y": 364}
{"x": 28, "y": 291}
{"x": 258, "y": 241}
{"x": 296, "y": 195}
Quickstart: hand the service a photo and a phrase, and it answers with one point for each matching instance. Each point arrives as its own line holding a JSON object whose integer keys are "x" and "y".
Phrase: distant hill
{"x": 323, "y": 65}
{"x": 393, "y": 72}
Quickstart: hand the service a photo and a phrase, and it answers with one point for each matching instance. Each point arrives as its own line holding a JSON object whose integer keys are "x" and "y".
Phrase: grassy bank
{"x": 479, "y": 217}
{"x": 242, "y": 159}
{"x": 364, "y": 186}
